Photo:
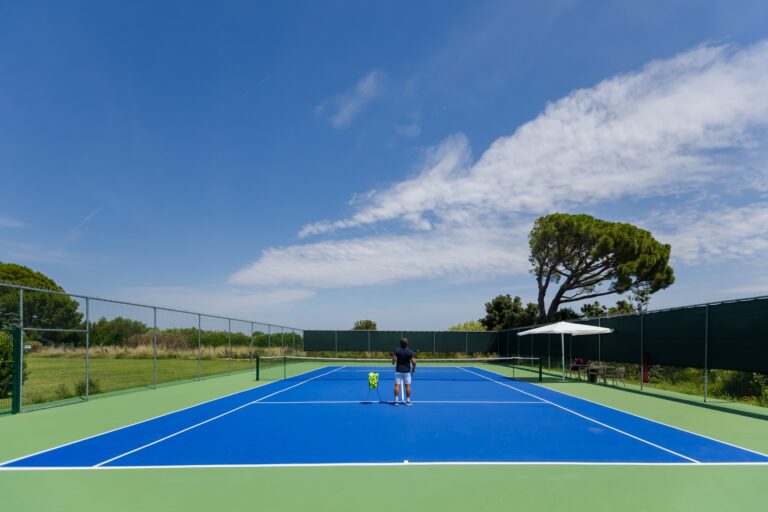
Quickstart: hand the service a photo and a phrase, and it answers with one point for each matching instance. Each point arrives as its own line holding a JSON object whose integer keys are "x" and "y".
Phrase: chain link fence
{"x": 76, "y": 346}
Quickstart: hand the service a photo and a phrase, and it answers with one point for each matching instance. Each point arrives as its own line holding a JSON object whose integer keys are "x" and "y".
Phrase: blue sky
{"x": 315, "y": 163}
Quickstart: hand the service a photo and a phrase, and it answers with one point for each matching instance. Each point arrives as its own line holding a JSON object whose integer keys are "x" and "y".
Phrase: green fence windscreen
{"x": 728, "y": 336}
{"x": 737, "y": 336}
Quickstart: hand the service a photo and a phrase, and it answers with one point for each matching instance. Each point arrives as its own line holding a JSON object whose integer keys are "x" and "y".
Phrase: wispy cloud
{"x": 759, "y": 288}
{"x": 26, "y": 253}
{"x": 10, "y": 222}
{"x": 460, "y": 254}
{"x": 719, "y": 235}
{"x": 662, "y": 130}
{"x": 215, "y": 300}
{"x": 410, "y": 130}
{"x": 342, "y": 109}
{"x": 687, "y": 126}
{"x": 76, "y": 232}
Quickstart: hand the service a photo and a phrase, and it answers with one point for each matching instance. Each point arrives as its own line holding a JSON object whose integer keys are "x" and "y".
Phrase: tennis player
{"x": 406, "y": 365}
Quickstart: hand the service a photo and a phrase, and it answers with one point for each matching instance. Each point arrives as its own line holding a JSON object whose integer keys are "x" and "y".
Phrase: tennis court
{"x": 324, "y": 413}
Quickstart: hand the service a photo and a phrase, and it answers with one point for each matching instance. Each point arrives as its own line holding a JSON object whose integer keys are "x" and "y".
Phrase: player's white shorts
{"x": 402, "y": 377}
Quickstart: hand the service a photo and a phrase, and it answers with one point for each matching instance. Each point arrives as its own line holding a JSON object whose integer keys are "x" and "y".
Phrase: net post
{"x": 541, "y": 373}
{"x": 258, "y": 365}
{"x": 285, "y": 370}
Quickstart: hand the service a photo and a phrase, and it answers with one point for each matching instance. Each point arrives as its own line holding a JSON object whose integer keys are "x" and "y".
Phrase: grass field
{"x": 443, "y": 488}
{"x": 52, "y": 379}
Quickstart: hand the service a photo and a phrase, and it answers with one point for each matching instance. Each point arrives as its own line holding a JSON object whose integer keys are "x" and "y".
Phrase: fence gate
{"x": 10, "y": 370}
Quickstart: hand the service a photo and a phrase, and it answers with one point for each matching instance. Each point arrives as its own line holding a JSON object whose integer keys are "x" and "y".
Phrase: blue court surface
{"x": 328, "y": 416}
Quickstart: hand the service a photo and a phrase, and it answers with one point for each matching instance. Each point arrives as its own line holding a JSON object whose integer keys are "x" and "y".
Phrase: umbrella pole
{"x": 562, "y": 352}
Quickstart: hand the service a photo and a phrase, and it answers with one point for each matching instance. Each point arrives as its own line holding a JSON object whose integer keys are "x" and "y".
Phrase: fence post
{"x": 229, "y": 344}
{"x": 466, "y": 342}
{"x": 154, "y": 344}
{"x": 434, "y": 344}
{"x": 642, "y": 368}
{"x": 199, "y": 345}
{"x": 17, "y": 358}
{"x": 21, "y": 344}
{"x": 269, "y": 336}
{"x": 599, "y": 343}
{"x": 251, "y": 347}
{"x": 706, "y": 350}
{"x": 87, "y": 346}
{"x": 369, "y": 341}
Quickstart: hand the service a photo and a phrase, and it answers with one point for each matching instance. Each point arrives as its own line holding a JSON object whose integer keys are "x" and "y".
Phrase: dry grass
{"x": 147, "y": 352}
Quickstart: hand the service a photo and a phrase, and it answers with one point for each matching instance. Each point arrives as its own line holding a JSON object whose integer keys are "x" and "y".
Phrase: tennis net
{"x": 344, "y": 368}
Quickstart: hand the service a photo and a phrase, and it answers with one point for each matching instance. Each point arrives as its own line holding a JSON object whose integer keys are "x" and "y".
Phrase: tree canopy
{"x": 504, "y": 312}
{"x": 587, "y": 257}
{"x": 472, "y": 325}
{"x": 364, "y": 325}
{"x": 115, "y": 331}
{"x": 41, "y": 309}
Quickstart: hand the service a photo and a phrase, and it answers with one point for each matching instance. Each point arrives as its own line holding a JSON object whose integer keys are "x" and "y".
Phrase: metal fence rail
{"x": 75, "y": 346}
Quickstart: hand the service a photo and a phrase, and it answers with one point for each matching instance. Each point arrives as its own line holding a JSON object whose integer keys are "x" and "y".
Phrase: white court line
{"x": 588, "y": 418}
{"x": 148, "y": 419}
{"x": 472, "y": 402}
{"x": 643, "y": 418}
{"x": 384, "y": 464}
{"x": 209, "y": 420}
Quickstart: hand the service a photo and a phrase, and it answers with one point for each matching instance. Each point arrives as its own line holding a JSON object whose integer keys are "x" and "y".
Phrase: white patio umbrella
{"x": 563, "y": 328}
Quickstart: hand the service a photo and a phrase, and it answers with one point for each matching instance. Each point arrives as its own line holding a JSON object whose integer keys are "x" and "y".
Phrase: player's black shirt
{"x": 404, "y": 356}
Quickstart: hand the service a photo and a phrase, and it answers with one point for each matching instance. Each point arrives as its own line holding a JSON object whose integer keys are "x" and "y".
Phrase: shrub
{"x": 93, "y": 387}
{"x": 63, "y": 392}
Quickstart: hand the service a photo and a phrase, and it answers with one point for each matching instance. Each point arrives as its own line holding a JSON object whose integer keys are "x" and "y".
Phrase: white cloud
{"x": 10, "y": 222}
{"x": 458, "y": 254}
{"x": 658, "y": 131}
{"x": 221, "y": 301}
{"x": 759, "y": 288}
{"x": 341, "y": 110}
{"x": 718, "y": 235}
{"x": 686, "y": 126}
